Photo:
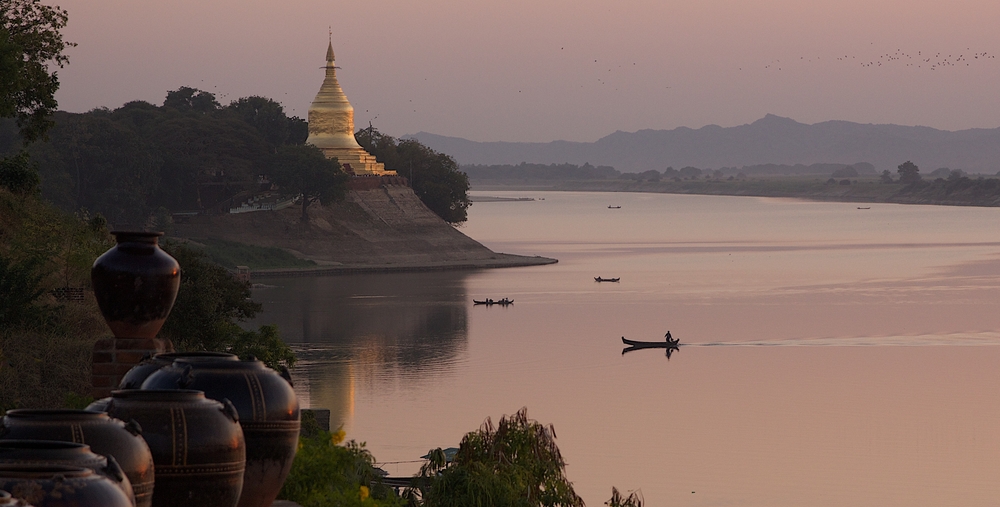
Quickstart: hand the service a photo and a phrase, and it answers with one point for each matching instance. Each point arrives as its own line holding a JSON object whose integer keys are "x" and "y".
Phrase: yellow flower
{"x": 338, "y": 436}
{"x": 364, "y": 493}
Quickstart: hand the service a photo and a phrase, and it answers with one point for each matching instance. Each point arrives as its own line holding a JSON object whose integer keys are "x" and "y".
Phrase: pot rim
{"x": 54, "y": 414}
{"x": 158, "y": 394}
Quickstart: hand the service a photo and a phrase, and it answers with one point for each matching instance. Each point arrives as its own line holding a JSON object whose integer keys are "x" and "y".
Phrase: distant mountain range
{"x": 770, "y": 140}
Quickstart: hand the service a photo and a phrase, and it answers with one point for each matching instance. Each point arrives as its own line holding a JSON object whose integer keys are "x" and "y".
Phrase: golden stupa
{"x": 331, "y": 127}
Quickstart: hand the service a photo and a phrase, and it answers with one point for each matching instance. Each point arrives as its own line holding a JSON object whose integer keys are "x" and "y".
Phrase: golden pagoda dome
{"x": 331, "y": 126}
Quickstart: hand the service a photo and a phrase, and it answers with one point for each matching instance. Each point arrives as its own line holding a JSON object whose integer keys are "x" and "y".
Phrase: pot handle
{"x": 132, "y": 426}
{"x": 113, "y": 469}
{"x": 285, "y": 374}
{"x": 186, "y": 378}
{"x": 230, "y": 410}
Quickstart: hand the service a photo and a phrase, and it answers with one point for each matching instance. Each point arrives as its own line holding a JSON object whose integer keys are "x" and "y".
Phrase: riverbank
{"x": 387, "y": 229}
{"x": 498, "y": 260}
{"x": 961, "y": 191}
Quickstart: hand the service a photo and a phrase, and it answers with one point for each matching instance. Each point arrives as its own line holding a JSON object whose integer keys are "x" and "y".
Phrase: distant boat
{"x": 491, "y": 302}
{"x": 599, "y": 279}
{"x": 614, "y": 207}
{"x": 867, "y": 207}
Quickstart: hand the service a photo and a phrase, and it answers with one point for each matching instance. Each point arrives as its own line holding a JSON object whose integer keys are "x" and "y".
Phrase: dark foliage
{"x": 189, "y": 154}
{"x": 29, "y": 42}
{"x": 435, "y": 177}
{"x": 515, "y": 463}
{"x": 20, "y": 290}
{"x": 19, "y": 174}
{"x": 908, "y": 173}
{"x": 525, "y": 171}
{"x": 303, "y": 169}
{"x": 209, "y": 306}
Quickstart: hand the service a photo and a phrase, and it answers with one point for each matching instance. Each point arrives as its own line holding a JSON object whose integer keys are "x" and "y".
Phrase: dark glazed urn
{"x": 197, "y": 445}
{"x": 53, "y": 452}
{"x": 269, "y": 415}
{"x": 105, "y": 436}
{"x": 138, "y": 374}
{"x": 136, "y": 284}
{"x": 60, "y": 486}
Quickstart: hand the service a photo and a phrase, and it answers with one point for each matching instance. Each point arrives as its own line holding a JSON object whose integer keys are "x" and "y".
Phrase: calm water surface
{"x": 832, "y": 356}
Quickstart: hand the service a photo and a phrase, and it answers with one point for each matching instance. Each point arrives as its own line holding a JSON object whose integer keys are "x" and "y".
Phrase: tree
{"x": 29, "y": 42}
{"x": 434, "y": 177}
{"x": 886, "y": 177}
{"x": 908, "y": 172}
{"x": 516, "y": 463}
{"x": 210, "y": 303}
{"x": 19, "y": 175}
{"x": 303, "y": 169}
{"x": 265, "y": 115}
{"x": 185, "y": 99}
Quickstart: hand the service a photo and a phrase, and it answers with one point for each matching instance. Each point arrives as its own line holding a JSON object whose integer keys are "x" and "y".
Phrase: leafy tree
{"x": 29, "y": 42}
{"x": 93, "y": 161}
{"x": 209, "y": 304}
{"x": 265, "y": 115}
{"x": 886, "y": 177}
{"x": 305, "y": 170}
{"x": 20, "y": 290}
{"x": 185, "y": 99}
{"x": 19, "y": 175}
{"x": 908, "y": 172}
{"x": 689, "y": 172}
{"x": 434, "y": 177}
{"x": 516, "y": 463}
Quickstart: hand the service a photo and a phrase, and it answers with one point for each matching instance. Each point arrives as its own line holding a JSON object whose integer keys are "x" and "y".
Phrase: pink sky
{"x": 518, "y": 70}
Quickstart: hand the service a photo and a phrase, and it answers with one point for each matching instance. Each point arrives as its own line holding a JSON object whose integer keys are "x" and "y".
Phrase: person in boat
{"x": 669, "y": 338}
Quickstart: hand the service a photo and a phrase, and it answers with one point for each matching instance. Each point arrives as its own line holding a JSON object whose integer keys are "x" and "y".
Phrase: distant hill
{"x": 770, "y": 140}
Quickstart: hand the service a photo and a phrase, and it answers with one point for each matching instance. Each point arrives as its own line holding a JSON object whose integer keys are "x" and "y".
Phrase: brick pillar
{"x": 113, "y": 357}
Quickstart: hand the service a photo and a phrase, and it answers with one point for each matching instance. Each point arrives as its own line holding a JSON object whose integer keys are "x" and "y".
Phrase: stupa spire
{"x": 329, "y": 51}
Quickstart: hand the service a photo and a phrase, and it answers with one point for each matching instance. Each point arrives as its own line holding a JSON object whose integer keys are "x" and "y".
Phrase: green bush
{"x": 516, "y": 463}
{"x": 326, "y": 473}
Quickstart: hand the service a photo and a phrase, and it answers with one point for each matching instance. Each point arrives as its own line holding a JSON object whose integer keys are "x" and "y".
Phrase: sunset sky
{"x": 544, "y": 70}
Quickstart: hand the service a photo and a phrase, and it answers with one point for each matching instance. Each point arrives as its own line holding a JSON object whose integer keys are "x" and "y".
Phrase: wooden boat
{"x": 614, "y": 207}
{"x": 491, "y": 302}
{"x": 599, "y": 279}
{"x": 673, "y": 344}
{"x": 867, "y": 207}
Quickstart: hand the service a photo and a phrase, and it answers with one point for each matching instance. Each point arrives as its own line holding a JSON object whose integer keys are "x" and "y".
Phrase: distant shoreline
{"x": 961, "y": 192}
{"x": 501, "y": 260}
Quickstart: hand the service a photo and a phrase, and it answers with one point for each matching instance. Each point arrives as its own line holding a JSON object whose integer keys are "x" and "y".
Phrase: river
{"x": 830, "y": 355}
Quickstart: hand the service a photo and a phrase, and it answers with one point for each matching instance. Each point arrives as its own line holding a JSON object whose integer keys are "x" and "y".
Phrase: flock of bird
{"x": 920, "y": 60}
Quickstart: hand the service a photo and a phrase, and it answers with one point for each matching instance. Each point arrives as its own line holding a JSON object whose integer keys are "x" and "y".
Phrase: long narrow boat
{"x": 599, "y": 279}
{"x": 664, "y": 344}
{"x": 490, "y": 302}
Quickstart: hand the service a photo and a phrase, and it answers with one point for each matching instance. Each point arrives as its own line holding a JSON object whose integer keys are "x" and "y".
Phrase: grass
{"x": 231, "y": 254}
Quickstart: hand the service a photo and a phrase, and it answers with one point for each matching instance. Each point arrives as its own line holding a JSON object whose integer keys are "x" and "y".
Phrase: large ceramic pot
{"x": 197, "y": 445}
{"x": 138, "y": 374}
{"x": 105, "y": 436}
{"x": 135, "y": 283}
{"x": 269, "y": 415}
{"x": 61, "y": 486}
{"x": 53, "y": 452}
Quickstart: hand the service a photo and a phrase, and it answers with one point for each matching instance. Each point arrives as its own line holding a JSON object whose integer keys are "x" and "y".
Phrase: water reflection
{"x": 367, "y": 332}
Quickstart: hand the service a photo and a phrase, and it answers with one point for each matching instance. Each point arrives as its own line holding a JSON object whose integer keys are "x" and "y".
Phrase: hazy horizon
{"x": 553, "y": 70}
